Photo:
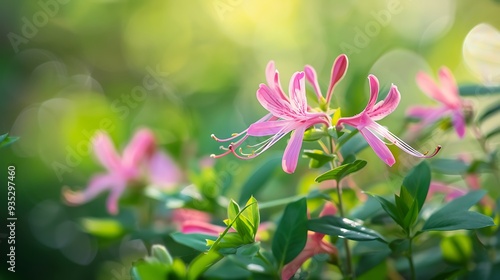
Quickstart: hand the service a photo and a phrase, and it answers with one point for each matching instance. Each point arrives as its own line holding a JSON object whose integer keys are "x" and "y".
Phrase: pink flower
{"x": 451, "y": 192}
{"x": 315, "y": 245}
{"x": 447, "y": 94}
{"x": 339, "y": 68}
{"x": 286, "y": 114}
{"x": 141, "y": 162}
{"x": 365, "y": 122}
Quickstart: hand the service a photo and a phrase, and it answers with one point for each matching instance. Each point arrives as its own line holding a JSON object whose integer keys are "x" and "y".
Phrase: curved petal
{"x": 292, "y": 150}
{"x": 386, "y": 106}
{"x": 374, "y": 88}
{"x": 201, "y": 227}
{"x": 378, "y": 146}
{"x": 271, "y": 101}
{"x": 297, "y": 91}
{"x": 267, "y": 128}
{"x": 270, "y": 70}
{"x": 105, "y": 152}
{"x": 140, "y": 148}
{"x": 430, "y": 88}
{"x": 457, "y": 118}
{"x": 181, "y": 215}
{"x": 291, "y": 268}
{"x": 114, "y": 196}
{"x": 449, "y": 88}
{"x": 97, "y": 185}
{"x": 163, "y": 171}
{"x": 312, "y": 78}
{"x": 339, "y": 69}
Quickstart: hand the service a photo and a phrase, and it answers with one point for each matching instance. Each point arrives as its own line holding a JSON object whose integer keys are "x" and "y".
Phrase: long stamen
{"x": 380, "y": 130}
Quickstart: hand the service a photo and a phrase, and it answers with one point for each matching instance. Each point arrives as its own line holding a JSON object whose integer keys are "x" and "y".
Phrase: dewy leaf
{"x": 455, "y": 215}
{"x": 343, "y": 228}
{"x": 291, "y": 234}
{"x": 417, "y": 183}
{"x": 342, "y": 171}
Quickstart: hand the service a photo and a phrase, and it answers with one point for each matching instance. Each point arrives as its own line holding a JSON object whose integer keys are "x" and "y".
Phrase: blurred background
{"x": 187, "y": 69}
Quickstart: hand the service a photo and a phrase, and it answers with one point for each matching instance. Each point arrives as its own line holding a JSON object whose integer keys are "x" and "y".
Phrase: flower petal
{"x": 105, "y": 152}
{"x": 339, "y": 69}
{"x": 386, "y": 106}
{"x": 140, "y": 148}
{"x": 374, "y": 88}
{"x": 297, "y": 91}
{"x": 292, "y": 150}
{"x": 378, "y": 146}
{"x": 312, "y": 78}
{"x": 267, "y": 128}
{"x": 201, "y": 227}
{"x": 97, "y": 185}
{"x": 114, "y": 196}
{"x": 429, "y": 87}
{"x": 457, "y": 118}
{"x": 449, "y": 89}
{"x": 270, "y": 71}
{"x": 271, "y": 101}
{"x": 162, "y": 171}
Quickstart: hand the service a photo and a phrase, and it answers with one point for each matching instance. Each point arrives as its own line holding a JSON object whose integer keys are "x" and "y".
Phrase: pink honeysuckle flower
{"x": 141, "y": 163}
{"x": 365, "y": 122}
{"x": 315, "y": 245}
{"x": 286, "y": 114}
{"x": 447, "y": 94}
{"x": 339, "y": 69}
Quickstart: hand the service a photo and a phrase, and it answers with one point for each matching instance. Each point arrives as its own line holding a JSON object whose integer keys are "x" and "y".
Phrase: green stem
{"x": 350, "y": 270}
{"x": 410, "y": 259}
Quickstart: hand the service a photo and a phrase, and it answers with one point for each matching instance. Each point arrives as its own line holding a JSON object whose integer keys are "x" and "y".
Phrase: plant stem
{"x": 349, "y": 271}
{"x": 410, "y": 259}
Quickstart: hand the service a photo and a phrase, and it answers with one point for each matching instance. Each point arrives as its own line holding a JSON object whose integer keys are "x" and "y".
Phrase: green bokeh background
{"x": 187, "y": 69}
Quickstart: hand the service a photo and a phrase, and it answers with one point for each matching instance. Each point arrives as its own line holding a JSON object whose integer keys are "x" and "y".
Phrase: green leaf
{"x": 251, "y": 213}
{"x": 196, "y": 241}
{"x": 259, "y": 178}
{"x": 417, "y": 183}
{"x": 318, "y": 158}
{"x": 449, "y": 166}
{"x": 6, "y": 140}
{"x": 489, "y": 112}
{"x": 291, "y": 234}
{"x": 477, "y": 90}
{"x": 342, "y": 171}
{"x": 107, "y": 228}
{"x": 458, "y": 220}
{"x": 144, "y": 270}
{"x": 161, "y": 254}
{"x": 239, "y": 222}
{"x": 390, "y": 209}
{"x": 201, "y": 263}
{"x": 343, "y": 228}
{"x": 492, "y": 133}
{"x": 248, "y": 250}
{"x": 411, "y": 216}
{"x": 455, "y": 215}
